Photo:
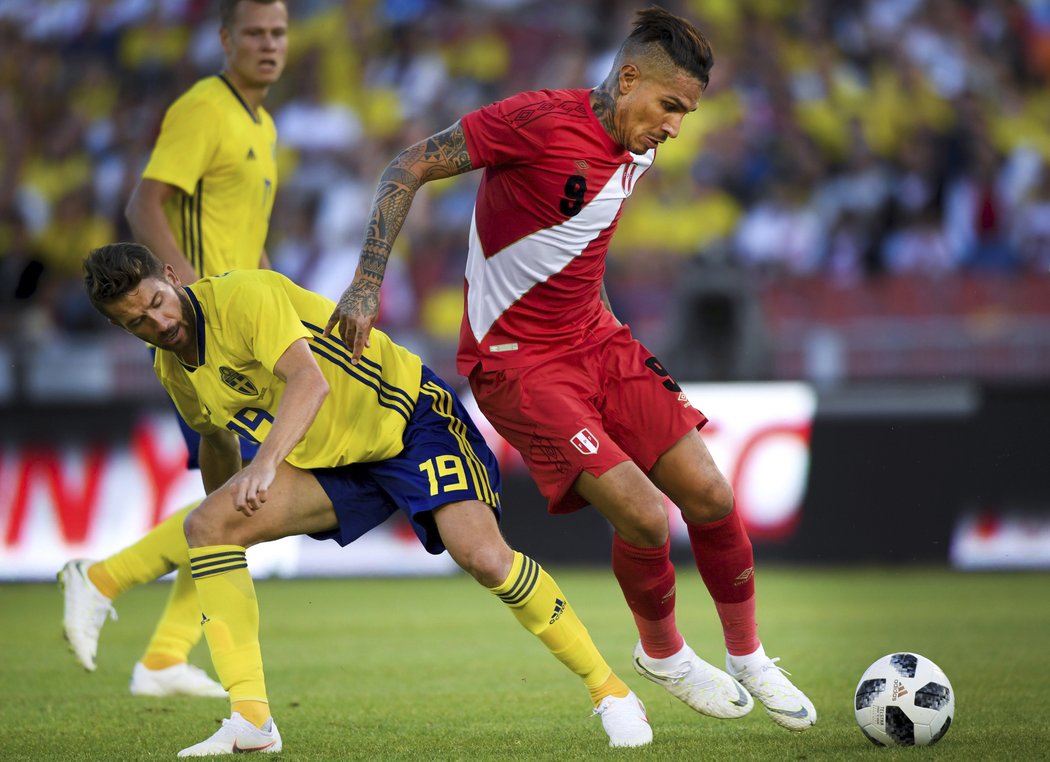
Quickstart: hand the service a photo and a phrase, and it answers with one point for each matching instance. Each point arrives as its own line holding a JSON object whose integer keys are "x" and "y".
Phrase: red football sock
{"x": 646, "y": 577}
{"x": 739, "y": 627}
{"x": 726, "y": 562}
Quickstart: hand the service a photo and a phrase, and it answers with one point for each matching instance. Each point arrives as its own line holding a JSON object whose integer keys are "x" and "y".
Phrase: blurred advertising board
{"x": 938, "y": 475}
{"x": 91, "y": 496}
{"x": 87, "y": 500}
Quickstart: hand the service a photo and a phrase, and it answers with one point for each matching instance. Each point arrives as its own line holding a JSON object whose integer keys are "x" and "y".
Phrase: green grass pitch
{"x": 435, "y": 669}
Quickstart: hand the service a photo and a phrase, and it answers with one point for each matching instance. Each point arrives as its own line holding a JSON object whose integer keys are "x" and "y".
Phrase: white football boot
{"x": 85, "y": 611}
{"x": 238, "y": 736}
{"x": 705, "y": 688}
{"x": 625, "y": 721}
{"x": 177, "y": 680}
{"x": 784, "y": 703}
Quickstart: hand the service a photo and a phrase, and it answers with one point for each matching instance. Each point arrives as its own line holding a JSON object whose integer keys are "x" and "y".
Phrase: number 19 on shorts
{"x": 445, "y": 473}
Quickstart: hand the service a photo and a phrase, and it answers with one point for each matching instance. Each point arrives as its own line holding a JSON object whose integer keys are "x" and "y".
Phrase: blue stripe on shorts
{"x": 444, "y": 460}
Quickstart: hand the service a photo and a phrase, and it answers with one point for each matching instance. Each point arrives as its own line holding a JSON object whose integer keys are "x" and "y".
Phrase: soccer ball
{"x": 904, "y": 699}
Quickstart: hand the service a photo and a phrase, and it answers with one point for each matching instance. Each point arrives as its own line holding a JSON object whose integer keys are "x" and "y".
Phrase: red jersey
{"x": 548, "y": 203}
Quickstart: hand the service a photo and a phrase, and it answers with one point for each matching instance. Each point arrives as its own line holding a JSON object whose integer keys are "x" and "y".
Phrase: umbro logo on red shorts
{"x": 585, "y": 442}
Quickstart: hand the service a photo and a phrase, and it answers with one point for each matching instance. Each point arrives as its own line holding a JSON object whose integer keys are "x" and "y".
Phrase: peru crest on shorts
{"x": 584, "y": 441}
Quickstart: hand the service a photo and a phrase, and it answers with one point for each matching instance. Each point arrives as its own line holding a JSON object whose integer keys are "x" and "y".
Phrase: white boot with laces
{"x": 238, "y": 736}
{"x": 625, "y": 721}
{"x": 177, "y": 680}
{"x": 786, "y": 705}
{"x": 85, "y": 611}
{"x": 704, "y": 688}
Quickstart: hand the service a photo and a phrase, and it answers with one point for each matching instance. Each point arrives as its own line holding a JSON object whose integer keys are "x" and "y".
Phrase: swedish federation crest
{"x": 238, "y": 382}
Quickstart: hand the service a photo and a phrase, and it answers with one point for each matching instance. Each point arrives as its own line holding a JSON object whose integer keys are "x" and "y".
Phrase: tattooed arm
{"x": 439, "y": 156}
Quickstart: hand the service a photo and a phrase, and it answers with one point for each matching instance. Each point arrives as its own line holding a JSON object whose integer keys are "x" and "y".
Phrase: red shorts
{"x": 588, "y": 409}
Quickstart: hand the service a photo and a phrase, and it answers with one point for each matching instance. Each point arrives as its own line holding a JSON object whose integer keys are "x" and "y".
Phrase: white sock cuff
{"x": 738, "y": 663}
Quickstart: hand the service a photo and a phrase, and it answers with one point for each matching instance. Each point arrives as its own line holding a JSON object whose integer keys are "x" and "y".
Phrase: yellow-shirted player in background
{"x": 343, "y": 445}
{"x": 203, "y": 203}
{"x": 203, "y": 206}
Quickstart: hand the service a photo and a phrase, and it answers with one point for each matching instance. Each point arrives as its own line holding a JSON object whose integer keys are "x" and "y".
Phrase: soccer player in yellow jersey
{"x": 203, "y": 203}
{"x": 203, "y": 206}
{"x": 343, "y": 445}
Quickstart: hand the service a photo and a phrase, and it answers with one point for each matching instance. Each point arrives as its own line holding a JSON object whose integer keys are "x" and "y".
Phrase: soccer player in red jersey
{"x": 595, "y": 415}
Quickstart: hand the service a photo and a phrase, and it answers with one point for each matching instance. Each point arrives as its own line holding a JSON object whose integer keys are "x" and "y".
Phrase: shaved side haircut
{"x": 664, "y": 38}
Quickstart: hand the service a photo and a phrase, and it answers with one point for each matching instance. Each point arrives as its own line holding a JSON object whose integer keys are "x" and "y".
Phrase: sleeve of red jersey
{"x": 498, "y": 134}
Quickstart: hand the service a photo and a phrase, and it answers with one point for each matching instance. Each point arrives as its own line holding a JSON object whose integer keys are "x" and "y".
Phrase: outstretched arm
{"x": 439, "y": 156}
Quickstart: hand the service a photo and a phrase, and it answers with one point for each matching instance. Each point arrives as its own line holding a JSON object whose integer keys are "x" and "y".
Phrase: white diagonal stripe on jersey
{"x": 495, "y": 283}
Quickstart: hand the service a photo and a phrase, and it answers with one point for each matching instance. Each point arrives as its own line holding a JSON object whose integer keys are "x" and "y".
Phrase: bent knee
{"x": 644, "y": 526}
{"x": 194, "y": 527}
{"x": 712, "y": 503}
{"x": 489, "y": 563}
{"x": 204, "y": 526}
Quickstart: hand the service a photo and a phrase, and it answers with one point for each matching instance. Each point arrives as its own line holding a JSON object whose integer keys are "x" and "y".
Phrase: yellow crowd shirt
{"x": 245, "y": 321}
{"x": 221, "y": 155}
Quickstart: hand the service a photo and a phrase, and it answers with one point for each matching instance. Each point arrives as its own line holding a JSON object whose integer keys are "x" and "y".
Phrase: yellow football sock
{"x": 179, "y": 629}
{"x": 158, "y": 661}
{"x": 157, "y": 553}
{"x": 231, "y": 624}
{"x": 613, "y": 686}
{"x": 542, "y": 608}
{"x": 103, "y": 580}
{"x": 256, "y": 712}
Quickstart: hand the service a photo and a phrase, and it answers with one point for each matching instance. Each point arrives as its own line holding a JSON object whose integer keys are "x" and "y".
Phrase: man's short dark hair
{"x": 228, "y": 8}
{"x": 115, "y": 270}
{"x": 683, "y": 43}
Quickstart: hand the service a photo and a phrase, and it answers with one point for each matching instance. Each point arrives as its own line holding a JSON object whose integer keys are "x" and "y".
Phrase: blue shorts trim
{"x": 444, "y": 460}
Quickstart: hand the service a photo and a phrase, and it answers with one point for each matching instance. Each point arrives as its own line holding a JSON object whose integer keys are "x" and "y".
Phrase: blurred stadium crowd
{"x": 861, "y": 175}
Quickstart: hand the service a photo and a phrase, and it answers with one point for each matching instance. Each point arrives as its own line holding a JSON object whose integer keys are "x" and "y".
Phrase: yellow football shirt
{"x": 220, "y": 155}
{"x": 246, "y": 320}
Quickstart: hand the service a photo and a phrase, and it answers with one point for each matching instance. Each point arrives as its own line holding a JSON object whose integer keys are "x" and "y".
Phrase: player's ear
{"x": 171, "y": 276}
{"x": 225, "y": 41}
{"x": 629, "y": 76}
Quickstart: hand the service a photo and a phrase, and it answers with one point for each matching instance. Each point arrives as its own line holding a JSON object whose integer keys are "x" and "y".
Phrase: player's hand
{"x": 251, "y": 486}
{"x": 355, "y": 314}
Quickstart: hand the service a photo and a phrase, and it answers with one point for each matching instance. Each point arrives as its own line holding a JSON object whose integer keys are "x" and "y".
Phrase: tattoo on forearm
{"x": 439, "y": 156}
{"x": 373, "y": 262}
